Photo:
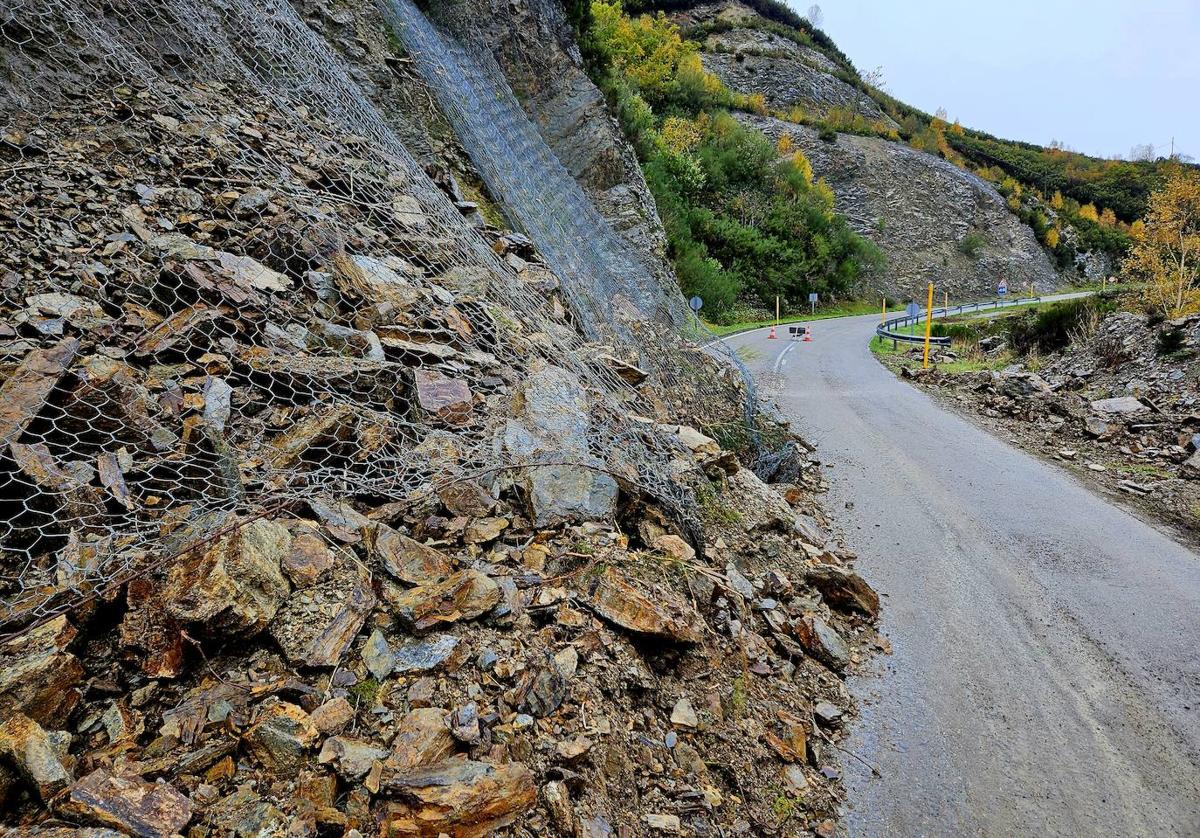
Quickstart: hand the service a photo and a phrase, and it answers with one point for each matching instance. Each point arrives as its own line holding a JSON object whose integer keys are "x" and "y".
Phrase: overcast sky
{"x": 1100, "y": 76}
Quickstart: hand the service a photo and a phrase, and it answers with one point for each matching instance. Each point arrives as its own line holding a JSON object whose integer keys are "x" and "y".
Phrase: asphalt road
{"x": 1046, "y": 670}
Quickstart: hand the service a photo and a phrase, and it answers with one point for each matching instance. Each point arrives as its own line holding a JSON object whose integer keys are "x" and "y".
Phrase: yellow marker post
{"x": 928, "y": 324}
{"x": 883, "y": 315}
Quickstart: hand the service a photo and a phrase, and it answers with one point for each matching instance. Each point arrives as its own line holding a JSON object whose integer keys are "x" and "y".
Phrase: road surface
{"x": 1045, "y": 679}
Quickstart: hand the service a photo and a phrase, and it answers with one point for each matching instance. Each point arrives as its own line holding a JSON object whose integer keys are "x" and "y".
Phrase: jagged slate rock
{"x": 461, "y": 596}
{"x": 446, "y": 399}
{"x": 308, "y": 559}
{"x": 25, "y": 390}
{"x": 233, "y": 584}
{"x": 341, "y": 519}
{"x": 25, "y": 745}
{"x": 374, "y": 280}
{"x": 424, "y": 654}
{"x": 325, "y": 427}
{"x": 378, "y": 656}
{"x": 557, "y": 800}
{"x": 463, "y": 798}
{"x": 483, "y": 530}
{"x": 543, "y": 688}
{"x": 316, "y": 625}
{"x": 661, "y": 615}
{"x": 551, "y": 422}
{"x": 422, "y": 738}
{"x": 126, "y": 803}
{"x": 38, "y": 676}
{"x": 511, "y": 606}
{"x": 827, "y": 714}
{"x": 351, "y": 758}
{"x": 333, "y": 715}
{"x": 70, "y": 482}
{"x": 463, "y": 723}
{"x": 1024, "y": 385}
{"x": 844, "y": 589}
{"x": 218, "y": 402}
{"x": 148, "y": 634}
{"x": 281, "y": 737}
{"x": 1190, "y": 469}
{"x": 1121, "y": 406}
{"x": 245, "y": 813}
{"x": 738, "y": 582}
{"x": 113, "y": 393}
{"x": 408, "y": 559}
{"x": 823, "y": 642}
{"x": 1097, "y": 428}
{"x": 659, "y": 822}
{"x": 683, "y": 714}
{"x": 793, "y": 776}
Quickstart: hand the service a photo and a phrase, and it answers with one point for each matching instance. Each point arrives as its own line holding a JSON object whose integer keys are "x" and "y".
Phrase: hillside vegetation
{"x": 744, "y": 217}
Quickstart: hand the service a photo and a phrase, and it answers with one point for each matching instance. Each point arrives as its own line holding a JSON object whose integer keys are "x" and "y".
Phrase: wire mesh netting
{"x": 227, "y": 289}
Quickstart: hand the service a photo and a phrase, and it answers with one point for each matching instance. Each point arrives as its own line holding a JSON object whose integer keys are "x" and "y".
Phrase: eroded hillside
{"x": 334, "y": 507}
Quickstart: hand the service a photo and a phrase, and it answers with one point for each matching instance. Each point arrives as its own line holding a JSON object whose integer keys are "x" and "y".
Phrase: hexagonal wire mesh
{"x": 226, "y": 286}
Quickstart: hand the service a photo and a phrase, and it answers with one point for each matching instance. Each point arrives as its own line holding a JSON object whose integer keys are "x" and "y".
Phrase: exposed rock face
{"x": 919, "y": 209}
{"x": 534, "y": 43}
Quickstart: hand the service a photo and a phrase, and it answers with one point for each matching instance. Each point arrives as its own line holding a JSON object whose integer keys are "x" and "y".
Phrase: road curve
{"x": 1046, "y": 670}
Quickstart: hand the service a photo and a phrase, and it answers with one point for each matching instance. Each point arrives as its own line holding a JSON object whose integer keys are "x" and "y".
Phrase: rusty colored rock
{"x": 462, "y": 596}
{"x": 308, "y": 559}
{"x": 408, "y": 559}
{"x": 234, "y": 583}
{"x": 38, "y": 676}
{"x": 447, "y": 399}
{"x": 844, "y": 589}
{"x": 327, "y": 426}
{"x": 148, "y": 634}
{"x": 661, "y": 615}
{"x": 24, "y": 392}
{"x": 129, "y": 804}
{"x": 462, "y": 798}
{"x": 281, "y": 737}
{"x": 26, "y": 746}
{"x": 822, "y": 641}
{"x": 317, "y": 624}
{"x": 422, "y": 738}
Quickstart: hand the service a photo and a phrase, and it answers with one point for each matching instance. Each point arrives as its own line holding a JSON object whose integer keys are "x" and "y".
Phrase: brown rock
{"x": 788, "y": 737}
{"x": 844, "y": 589}
{"x": 483, "y": 530}
{"x": 232, "y": 584}
{"x": 129, "y": 804}
{"x": 316, "y": 625}
{"x": 322, "y": 429}
{"x": 281, "y": 737}
{"x": 308, "y": 559}
{"x": 461, "y": 798}
{"x": 822, "y": 641}
{"x": 333, "y": 715}
{"x": 447, "y": 399}
{"x": 26, "y": 746}
{"x": 148, "y": 634}
{"x": 675, "y": 548}
{"x": 24, "y": 392}
{"x": 661, "y": 615}
{"x": 408, "y": 559}
{"x": 38, "y": 676}
{"x": 353, "y": 759}
{"x": 422, "y": 738}
{"x": 462, "y": 596}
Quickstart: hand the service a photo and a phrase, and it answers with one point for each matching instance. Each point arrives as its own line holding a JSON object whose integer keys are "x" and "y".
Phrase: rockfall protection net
{"x": 228, "y": 291}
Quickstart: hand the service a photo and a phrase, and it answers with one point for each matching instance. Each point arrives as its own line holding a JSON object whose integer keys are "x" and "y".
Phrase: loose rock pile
{"x": 1122, "y": 407}
{"x": 312, "y": 528}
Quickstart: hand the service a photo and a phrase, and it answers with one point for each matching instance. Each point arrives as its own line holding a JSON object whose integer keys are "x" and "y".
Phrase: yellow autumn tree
{"x": 1167, "y": 255}
{"x": 680, "y": 135}
{"x": 957, "y": 128}
{"x": 785, "y": 144}
{"x": 1108, "y": 218}
{"x": 1089, "y": 212}
{"x": 1056, "y": 202}
{"x": 1052, "y": 237}
{"x": 1137, "y": 229}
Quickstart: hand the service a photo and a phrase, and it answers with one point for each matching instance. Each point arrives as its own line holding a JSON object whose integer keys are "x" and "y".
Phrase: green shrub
{"x": 971, "y": 244}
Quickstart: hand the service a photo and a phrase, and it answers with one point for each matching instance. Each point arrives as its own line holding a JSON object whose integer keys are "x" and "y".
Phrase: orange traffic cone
{"x": 772, "y": 335}
{"x": 808, "y": 334}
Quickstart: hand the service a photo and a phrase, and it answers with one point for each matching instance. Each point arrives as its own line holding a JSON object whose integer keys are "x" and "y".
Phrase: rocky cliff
{"x": 933, "y": 221}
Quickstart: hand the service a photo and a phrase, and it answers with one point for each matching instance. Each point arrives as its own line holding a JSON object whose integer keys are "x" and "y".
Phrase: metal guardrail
{"x": 888, "y": 328}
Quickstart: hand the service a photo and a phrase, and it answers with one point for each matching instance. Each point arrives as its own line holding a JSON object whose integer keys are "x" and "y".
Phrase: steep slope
{"x": 324, "y": 513}
{"x": 933, "y": 221}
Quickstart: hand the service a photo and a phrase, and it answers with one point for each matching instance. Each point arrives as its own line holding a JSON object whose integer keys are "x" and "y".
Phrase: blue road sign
{"x": 696, "y": 303}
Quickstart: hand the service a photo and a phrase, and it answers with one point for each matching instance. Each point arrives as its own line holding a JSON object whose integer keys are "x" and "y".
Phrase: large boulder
{"x": 551, "y": 423}
{"x": 126, "y": 803}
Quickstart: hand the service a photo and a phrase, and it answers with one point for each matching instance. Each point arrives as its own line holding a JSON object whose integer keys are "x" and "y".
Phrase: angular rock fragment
{"x": 823, "y": 642}
{"x": 552, "y": 422}
{"x": 1122, "y": 406}
{"x": 424, "y": 654}
{"x": 407, "y": 559}
{"x": 148, "y": 634}
{"x": 234, "y": 583}
{"x": 129, "y": 804}
{"x": 317, "y": 624}
{"x": 308, "y": 558}
{"x": 333, "y": 715}
{"x": 543, "y": 688}
{"x": 844, "y": 589}
{"x": 445, "y": 399}
{"x": 422, "y": 738}
{"x": 351, "y": 758}
{"x": 25, "y": 745}
{"x": 461, "y": 596}
{"x": 664, "y": 615}
{"x": 374, "y": 280}
{"x": 24, "y": 392}
{"x": 38, "y": 676}
{"x": 281, "y": 737}
{"x": 325, "y": 427}
{"x": 462, "y": 798}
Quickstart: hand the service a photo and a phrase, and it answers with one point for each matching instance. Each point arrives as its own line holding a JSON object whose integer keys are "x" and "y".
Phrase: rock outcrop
{"x": 920, "y": 211}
